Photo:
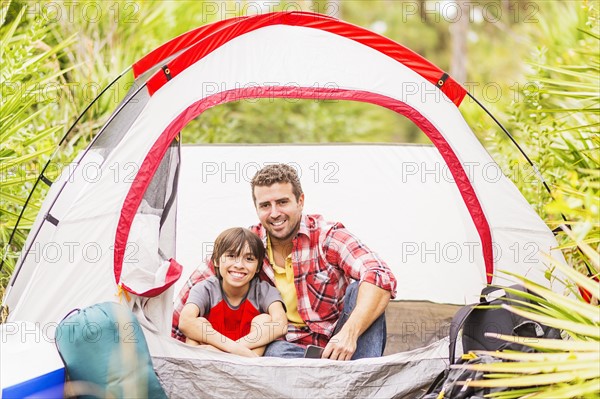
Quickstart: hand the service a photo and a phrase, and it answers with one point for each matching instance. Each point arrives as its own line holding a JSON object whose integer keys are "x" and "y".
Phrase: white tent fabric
{"x": 400, "y": 200}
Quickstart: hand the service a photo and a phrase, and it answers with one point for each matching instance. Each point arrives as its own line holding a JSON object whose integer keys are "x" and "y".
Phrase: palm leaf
{"x": 592, "y": 256}
{"x": 530, "y": 367}
{"x": 569, "y": 307}
{"x": 586, "y": 389}
{"x": 13, "y": 27}
{"x": 541, "y": 305}
{"x": 577, "y": 328}
{"x": 539, "y": 379}
{"x": 558, "y": 391}
{"x": 550, "y": 344}
{"x": 573, "y": 354}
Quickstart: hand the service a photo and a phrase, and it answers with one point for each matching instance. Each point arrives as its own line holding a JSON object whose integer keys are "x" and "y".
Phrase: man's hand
{"x": 371, "y": 302}
{"x": 341, "y": 346}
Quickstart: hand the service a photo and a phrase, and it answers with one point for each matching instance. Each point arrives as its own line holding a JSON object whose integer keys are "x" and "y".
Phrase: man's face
{"x": 278, "y": 210}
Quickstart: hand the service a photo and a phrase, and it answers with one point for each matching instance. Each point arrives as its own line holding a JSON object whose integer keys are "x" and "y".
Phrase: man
{"x": 312, "y": 263}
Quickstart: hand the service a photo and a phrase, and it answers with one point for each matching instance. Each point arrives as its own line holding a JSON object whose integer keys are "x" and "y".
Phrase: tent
{"x": 125, "y": 219}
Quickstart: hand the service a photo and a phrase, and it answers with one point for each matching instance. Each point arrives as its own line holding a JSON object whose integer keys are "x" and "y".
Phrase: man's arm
{"x": 199, "y": 329}
{"x": 357, "y": 261}
{"x": 377, "y": 287}
{"x": 370, "y": 304}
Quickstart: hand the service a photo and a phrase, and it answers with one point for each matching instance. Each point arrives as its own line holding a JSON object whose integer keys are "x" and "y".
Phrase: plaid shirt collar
{"x": 304, "y": 230}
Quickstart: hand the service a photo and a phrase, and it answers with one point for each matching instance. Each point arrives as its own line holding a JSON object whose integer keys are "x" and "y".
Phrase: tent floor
{"x": 415, "y": 324}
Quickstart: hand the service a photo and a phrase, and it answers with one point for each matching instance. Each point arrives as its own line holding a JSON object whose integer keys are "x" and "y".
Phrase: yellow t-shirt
{"x": 284, "y": 281}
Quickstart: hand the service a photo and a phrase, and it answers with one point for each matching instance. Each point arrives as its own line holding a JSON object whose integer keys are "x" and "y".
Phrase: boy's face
{"x": 238, "y": 270}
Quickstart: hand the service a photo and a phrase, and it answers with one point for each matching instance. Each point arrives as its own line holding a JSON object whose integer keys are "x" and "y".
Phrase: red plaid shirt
{"x": 325, "y": 256}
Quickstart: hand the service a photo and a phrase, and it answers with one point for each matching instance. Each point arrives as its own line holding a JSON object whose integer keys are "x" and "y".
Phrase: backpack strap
{"x": 457, "y": 323}
{"x": 437, "y": 383}
{"x": 461, "y": 316}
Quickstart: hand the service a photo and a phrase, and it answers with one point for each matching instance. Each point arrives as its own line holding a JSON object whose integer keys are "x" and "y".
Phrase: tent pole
{"x": 41, "y": 175}
{"x": 535, "y": 168}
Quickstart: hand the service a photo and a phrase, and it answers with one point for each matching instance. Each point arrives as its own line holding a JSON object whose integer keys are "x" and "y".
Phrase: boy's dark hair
{"x": 234, "y": 239}
{"x": 279, "y": 173}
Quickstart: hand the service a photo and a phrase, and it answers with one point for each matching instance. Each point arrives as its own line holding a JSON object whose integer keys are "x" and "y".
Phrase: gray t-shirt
{"x": 232, "y": 321}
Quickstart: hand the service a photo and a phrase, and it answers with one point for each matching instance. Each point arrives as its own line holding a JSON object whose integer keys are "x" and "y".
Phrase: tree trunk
{"x": 458, "y": 33}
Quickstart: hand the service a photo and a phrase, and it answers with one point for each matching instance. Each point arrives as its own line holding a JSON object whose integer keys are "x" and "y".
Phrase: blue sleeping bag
{"x": 105, "y": 353}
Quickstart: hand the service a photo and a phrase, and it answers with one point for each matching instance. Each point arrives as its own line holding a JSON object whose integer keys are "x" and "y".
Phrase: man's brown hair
{"x": 278, "y": 173}
{"x": 234, "y": 240}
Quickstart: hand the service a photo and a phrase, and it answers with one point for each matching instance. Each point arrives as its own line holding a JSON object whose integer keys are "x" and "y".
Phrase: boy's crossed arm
{"x": 266, "y": 328}
{"x": 200, "y": 331}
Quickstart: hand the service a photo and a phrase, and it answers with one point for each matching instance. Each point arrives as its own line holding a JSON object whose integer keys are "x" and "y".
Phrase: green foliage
{"x": 30, "y": 80}
{"x": 109, "y": 40}
{"x": 299, "y": 121}
{"x": 563, "y": 369}
{"x": 557, "y": 122}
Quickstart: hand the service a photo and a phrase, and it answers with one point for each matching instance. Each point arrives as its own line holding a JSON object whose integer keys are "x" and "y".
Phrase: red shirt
{"x": 232, "y": 321}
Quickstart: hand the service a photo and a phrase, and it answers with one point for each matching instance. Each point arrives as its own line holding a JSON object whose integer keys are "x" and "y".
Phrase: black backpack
{"x": 475, "y": 321}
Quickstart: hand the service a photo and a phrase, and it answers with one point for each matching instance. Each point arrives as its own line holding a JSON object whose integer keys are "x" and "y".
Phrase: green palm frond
{"x": 30, "y": 77}
{"x": 561, "y": 368}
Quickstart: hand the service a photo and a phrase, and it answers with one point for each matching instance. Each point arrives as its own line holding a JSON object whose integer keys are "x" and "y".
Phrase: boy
{"x": 234, "y": 311}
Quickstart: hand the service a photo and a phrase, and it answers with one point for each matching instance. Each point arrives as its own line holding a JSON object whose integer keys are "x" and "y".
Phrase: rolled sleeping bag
{"x": 106, "y": 354}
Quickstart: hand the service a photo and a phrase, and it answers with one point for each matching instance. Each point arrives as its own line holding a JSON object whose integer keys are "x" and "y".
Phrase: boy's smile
{"x": 237, "y": 275}
{"x": 237, "y": 270}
